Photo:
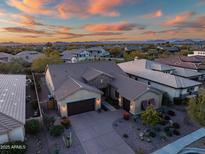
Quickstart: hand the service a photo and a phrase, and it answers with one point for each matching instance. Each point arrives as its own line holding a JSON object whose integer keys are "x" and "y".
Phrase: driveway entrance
{"x": 96, "y": 134}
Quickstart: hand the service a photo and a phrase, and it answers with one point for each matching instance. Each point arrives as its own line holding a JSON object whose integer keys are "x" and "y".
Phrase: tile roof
{"x": 138, "y": 68}
{"x": 12, "y": 100}
{"x": 183, "y": 61}
{"x": 92, "y": 73}
{"x": 68, "y": 77}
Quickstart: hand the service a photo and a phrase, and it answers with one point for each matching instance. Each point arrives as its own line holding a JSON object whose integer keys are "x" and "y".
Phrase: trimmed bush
{"x": 19, "y": 147}
{"x": 166, "y": 129}
{"x": 32, "y": 127}
{"x": 126, "y": 115}
{"x": 171, "y": 113}
{"x": 56, "y": 130}
{"x": 65, "y": 122}
{"x": 168, "y": 133}
{"x": 167, "y": 118}
{"x": 176, "y": 132}
{"x": 176, "y": 125}
{"x": 152, "y": 134}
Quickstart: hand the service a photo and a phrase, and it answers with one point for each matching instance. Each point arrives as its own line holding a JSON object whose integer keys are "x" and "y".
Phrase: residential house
{"x": 192, "y": 63}
{"x": 75, "y": 55}
{"x": 197, "y": 53}
{"x": 82, "y": 87}
{"x": 5, "y": 57}
{"x": 178, "y": 71}
{"x": 98, "y": 52}
{"x": 171, "y": 49}
{"x": 12, "y": 107}
{"x": 176, "y": 87}
{"x": 29, "y": 56}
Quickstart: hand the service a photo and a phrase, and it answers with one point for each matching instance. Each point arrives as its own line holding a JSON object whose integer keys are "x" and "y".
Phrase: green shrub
{"x": 56, "y": 130}
{"x": 176, "y": 125}
{"x": 65, "y": 122}
{"x": 14, "y": 147}
{"x": 32, "y": 127}
{"x": 152, "y": 134}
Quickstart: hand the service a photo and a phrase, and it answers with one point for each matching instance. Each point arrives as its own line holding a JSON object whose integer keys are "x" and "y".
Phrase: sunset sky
{"x": 100, "y": 20}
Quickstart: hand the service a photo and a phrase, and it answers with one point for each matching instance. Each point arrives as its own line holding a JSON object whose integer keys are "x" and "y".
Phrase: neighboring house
{"x": 29, "y": 56}
{"x": 169, "y": 49}
{"x": 75, "y": 55}
{"x": 197, "y": 53}
{"x": 82, "y": 87}
{"x": 193, "y": 63}
{"x": 178, "y": 71}
{"x": 78, "y": 55}
{"x": 12, "y": 107}
{"x": 176, "y": 87}
{"x": 5, "y": 57}
{"x": 98, "y": 52}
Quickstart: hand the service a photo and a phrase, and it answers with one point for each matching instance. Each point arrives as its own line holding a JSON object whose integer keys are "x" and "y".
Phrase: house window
{"x": 191, "y": 89}
{"x": 149, "y": 83}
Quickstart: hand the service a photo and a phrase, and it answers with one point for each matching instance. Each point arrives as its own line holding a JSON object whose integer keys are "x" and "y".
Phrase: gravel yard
{"x": 131, "y": 130}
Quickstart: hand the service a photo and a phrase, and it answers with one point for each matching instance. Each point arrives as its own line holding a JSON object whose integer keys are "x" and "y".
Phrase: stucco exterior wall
{"x": 4, "y": 138}
{"x": 148, "y": 95}
{"x": 78, "y": 96}
{"x": 49, "y": 81}
{"x": 172, "y": 92}
{"x": 16, "y": 134}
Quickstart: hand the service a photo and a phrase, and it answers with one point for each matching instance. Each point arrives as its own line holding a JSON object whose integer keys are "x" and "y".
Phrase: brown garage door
{"x": 81, "y": 106}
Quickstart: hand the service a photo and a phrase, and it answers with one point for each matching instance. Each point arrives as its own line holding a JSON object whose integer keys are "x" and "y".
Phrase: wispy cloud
{"x": 155, "y": 14}
{"x": 31, "y": 6}
{"x": 69, "y": 8}
{"x": 178, "y": 19}
{"x": 120, "y": 26}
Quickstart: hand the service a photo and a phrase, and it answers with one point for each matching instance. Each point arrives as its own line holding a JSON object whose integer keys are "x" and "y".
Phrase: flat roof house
{"x": 82, "y": 87}
{"x": 12, "y": 107}
{"x": 174, "y": 86}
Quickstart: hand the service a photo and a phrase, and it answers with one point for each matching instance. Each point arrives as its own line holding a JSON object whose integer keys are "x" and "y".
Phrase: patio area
{"x": 144, "y": 139}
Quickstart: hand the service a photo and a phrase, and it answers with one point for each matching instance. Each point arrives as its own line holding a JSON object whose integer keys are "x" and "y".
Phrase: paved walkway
{"x": 96, "y": 133}
{"x": 177, "y": 146}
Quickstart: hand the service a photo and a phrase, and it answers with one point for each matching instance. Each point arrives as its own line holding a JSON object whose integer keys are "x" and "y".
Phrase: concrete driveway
{"x": 96, "y": 134}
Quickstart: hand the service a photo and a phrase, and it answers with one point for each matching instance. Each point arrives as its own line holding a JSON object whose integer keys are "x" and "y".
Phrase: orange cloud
{"x": 31, "y": 6}
{"x": 25, "y": 20}
{"x": 85, "y": 8}
{"x": 121, "y": 26}
{"x": 104, "y": 7}
{"x": 178, "y": 19}
{"x": 155, "y": 14}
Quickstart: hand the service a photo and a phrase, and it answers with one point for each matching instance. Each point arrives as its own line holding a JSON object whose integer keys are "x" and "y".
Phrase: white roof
{"x": 138, "y": 68}
{"x": 12, "y": 97}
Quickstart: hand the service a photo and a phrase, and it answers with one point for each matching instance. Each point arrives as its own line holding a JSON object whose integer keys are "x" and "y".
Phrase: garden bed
{"x": 146, "y": 139}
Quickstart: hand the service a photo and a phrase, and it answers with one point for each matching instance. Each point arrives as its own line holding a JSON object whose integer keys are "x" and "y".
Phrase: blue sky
{"x": 98, "y": 20}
